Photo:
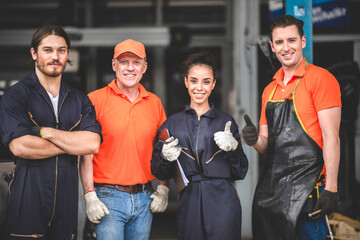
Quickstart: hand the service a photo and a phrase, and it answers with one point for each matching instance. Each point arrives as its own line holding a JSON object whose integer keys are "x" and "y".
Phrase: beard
{"x": 50, "y": 71}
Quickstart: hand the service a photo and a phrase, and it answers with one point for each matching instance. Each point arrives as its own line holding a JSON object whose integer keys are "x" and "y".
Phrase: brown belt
{"x": 130, "y": 189}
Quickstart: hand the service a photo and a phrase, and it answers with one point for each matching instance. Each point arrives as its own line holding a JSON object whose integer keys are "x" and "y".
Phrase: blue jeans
{"x": 312, "y": 229}
{"x": 130, "y": 217}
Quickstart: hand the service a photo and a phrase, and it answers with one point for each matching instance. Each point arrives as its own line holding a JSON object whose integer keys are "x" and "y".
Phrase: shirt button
{"x": 282, "y": 89}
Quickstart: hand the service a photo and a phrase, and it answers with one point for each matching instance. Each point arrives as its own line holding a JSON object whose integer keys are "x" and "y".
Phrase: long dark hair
{"x": 47, "y": 30}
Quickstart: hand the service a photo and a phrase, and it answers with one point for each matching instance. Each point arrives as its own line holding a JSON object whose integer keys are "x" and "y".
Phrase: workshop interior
{"x": 234, "y": 31}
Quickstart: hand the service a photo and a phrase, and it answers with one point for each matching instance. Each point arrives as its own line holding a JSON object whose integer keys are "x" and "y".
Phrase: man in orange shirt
{"x": 299, "y": 132}
{"x": 117, "y": 180}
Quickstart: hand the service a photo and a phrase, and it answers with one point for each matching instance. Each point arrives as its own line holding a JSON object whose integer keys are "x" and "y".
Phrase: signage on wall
{"x": 324, "y": 12}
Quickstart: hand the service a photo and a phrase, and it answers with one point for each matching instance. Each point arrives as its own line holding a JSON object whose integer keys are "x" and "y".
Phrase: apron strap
{"x": 297, "y": 81}
{"x": 296, "y": 84}
{"x": 293, "y": 92}
{"x": 272, "y": 93}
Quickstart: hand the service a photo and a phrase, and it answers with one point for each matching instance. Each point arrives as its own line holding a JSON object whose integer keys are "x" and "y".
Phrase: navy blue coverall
{"x": 42, "y": 199}
{"x": 209, "y": 206}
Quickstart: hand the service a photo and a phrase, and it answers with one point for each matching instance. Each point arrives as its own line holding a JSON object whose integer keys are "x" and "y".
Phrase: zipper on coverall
{"x": 197, "y": 141}
{"x": 57, "y": 158}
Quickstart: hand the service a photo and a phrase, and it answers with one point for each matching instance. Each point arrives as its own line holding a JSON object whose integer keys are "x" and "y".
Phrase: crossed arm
{"x": 55, "y": 142}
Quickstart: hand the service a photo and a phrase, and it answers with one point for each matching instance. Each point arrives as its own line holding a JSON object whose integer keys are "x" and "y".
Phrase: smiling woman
{"x": 200, "y": 82}
{"x": 199, "y": 75}
{"x": 209, "y": 160}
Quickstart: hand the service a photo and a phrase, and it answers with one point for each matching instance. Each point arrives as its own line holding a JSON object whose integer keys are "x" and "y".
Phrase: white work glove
{"x": 95, "y": 209}
{"x": 169, "y": 151}
{"x": 225, "y": 140}
{"x": 160, "y": 199}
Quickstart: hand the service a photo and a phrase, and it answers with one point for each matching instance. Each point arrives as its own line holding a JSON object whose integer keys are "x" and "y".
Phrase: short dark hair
{"x": 200, "y": 58}
{"x": 285, "y": 21}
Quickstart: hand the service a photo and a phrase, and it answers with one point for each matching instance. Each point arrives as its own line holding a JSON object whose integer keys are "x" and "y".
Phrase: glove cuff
{"x": 162, "y": 189}
{"x": 235, "y": 144}
{"x": 90, "y": 196}
{"x": 330, "y": 191}
{"x": 40, "y": 132}
{"x": 91, "y": 190}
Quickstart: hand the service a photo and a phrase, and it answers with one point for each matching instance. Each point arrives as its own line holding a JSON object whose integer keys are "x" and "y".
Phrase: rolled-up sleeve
{"x": 89, "y": 122}
{"x": 14, "y": 119}
{"x": 161, "y": 168}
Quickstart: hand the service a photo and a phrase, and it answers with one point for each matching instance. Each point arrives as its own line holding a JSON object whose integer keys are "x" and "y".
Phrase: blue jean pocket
{"x": 148, "y": 192}
{"x": 103, "y": 192}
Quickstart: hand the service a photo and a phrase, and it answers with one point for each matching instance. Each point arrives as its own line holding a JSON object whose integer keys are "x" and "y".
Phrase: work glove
{"x": 169, "y": 150}
{"x": 328, "y": 202}
{"x": 160, "y": 199}
{"x": 95, "y": 209}
{"x": 249, "y": 132}
{"x": 36, "y": 131}
{"x": 225, "y": 140}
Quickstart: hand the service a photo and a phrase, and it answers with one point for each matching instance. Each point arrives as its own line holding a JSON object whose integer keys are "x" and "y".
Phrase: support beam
{"x": 246, "y": 29}
{"x": 302, "y": 9}
{"x": 357, "y": 133}
{"x": 159, "y": 74}
{"x": 94, "y": 37}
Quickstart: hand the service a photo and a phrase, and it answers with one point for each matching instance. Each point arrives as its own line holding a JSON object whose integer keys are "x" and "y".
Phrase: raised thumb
{"x": 227, "y": 127}
{"x": 248, "y": 120}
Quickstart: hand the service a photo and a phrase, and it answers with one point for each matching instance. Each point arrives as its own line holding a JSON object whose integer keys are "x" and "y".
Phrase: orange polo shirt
{"x": 317, "y": 90}
{"x": 128, "y": 129}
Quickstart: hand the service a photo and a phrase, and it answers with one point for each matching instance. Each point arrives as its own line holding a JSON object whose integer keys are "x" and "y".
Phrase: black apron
{"x": 292, "y": 167}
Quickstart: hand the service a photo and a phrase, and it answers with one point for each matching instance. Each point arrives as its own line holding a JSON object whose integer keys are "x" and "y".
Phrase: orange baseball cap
{"x": 130, "y": 45}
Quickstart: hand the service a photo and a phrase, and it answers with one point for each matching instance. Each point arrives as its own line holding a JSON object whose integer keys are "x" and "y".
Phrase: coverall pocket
{"x": 11, "y": 180}
{"x": 76, "y": 124}
{"x": 32, "y": 119}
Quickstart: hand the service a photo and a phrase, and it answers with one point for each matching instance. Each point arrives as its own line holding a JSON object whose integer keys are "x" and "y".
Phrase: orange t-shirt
{"x": 318, "y": 89}
{"x": 129, "y": 130}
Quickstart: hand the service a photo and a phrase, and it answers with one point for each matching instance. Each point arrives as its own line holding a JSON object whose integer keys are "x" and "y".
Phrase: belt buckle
{"x": 131, "y": 189}
{"x": 134, "y": 189}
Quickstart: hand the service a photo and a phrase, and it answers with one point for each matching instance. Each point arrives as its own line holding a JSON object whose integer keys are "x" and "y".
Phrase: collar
{"x": 279, "y": 75}
{"x": 211, "y": 113}
{"x": 142, "y": 91}
{"x": 32, "y": 80}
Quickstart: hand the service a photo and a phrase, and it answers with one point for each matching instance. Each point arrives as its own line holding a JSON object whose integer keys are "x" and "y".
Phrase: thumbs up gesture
{"x": 225, "y": 140}
{"x": 249, "y": 132}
